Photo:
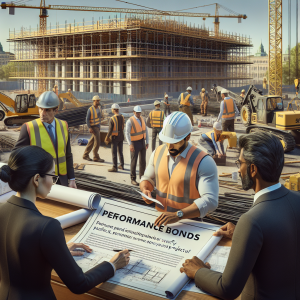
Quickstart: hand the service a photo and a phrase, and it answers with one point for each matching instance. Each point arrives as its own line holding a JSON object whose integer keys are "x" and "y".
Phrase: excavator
{"x": 266, "y": 113}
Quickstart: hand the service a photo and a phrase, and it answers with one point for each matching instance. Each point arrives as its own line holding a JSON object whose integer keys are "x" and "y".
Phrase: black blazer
{"x": 264, "y": 260}
{"x": 31, "y": 246}
{"x": 24, "y": 140}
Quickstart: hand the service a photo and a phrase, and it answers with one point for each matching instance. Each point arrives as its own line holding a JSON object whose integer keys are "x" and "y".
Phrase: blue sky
{"x": 255, "y": 26}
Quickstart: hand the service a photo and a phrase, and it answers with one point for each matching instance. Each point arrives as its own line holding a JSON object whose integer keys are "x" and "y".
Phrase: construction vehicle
{"x": 293, "y": 183}
{"x": 266, "y": 113}
{"x": 69, "y": 96}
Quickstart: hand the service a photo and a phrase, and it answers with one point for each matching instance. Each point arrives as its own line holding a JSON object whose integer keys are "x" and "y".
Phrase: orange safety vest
{"x": 179, "y": 190}
{"x": 137, "y": 132}
{"x": 185, "y": 101}
{"x": 228, "y": 110}
{"x": 116, "y": 125}
{"x": 94, "y": 120}
{"x": 157, "y": 118}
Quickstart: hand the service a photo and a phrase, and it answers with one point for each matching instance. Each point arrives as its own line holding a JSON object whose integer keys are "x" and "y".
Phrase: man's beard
{"x": 247, "y": 181}
{"x": 175, "y": 152}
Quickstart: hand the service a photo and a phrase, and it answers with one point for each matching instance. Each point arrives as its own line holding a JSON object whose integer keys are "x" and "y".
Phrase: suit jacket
{"x": 31, "y": 246}
{"x": 264, "y": 260}
{"x": 24, "y": 140}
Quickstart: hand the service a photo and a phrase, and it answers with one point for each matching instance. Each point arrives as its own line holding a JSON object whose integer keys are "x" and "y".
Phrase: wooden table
{"x": 106, "y": 290}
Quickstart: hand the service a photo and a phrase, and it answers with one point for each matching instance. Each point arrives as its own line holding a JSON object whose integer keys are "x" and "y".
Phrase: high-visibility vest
{"x": 40, "y": 137}
{"x": 157, "y": 118}
{"x": 137, "y": 132}
{"x": 185, "y": 101}
{"x": 209, "y": 135}
{"x": 94, "y": 120}
{"x": 116, "y": 125}
{"x": 179, "y": 190}
{"x": 228, "y": 110}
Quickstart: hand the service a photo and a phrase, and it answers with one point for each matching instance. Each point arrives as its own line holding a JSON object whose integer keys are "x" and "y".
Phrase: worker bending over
{"x": 185, "y": 100}
{"x": 155, "y": 121}
{"x": 93, "y": 118}
{"x": 116, "y": 135}
{"x": 52, "y": 135}
{"x": 212, "y": 141}
{"x": 204, "y": 96}
{"x": 186, "y": 178}
{"x": 138, "y": 141}
{"x": 167, "y": 109}
{"x": 228, "y": 111}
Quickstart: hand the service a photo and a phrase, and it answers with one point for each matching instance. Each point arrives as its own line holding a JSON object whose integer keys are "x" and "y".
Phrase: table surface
{"x": 105, "y": 290}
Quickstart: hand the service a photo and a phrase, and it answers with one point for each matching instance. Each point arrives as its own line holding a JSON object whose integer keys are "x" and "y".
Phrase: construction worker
{"x": 186, "y": 178}
{"x": 52, "y": 135}
{"x": 212, "y": 141}
{"x": 138, "y": 140}
{"x": 228, "y": 111}
{"x": 116, "y": 135}
{"x": 204, "y": 96}
{"x": 93, "y": 118}
{"x": 242, "y": 93}
{"x": 185, "y": 100}
{"x": 167, "y": 109}
{"x": 155, "y": 121}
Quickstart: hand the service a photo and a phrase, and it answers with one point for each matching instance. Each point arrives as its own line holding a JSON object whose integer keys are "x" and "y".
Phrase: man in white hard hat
{"x": 185, "y": 100}
{"x": 138, "y": 140}
{"x": 52, "y": 135}
{"x": 212, "y": 141}
{"x": 228, "y": 111}
{"x": 167, "y": 109}
{"x": 155, "y": 121}
{"x": 116, "y": 135}
{"x": 242, "y": 93}
{"x": 204, "y": 96}
{"x": 186, "y": 178}
{"x": 93, "y": 119}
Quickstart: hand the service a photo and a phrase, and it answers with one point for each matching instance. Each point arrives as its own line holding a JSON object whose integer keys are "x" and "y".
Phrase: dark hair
{"x": 266, "y": 152}
{"x": 23, "y": 164}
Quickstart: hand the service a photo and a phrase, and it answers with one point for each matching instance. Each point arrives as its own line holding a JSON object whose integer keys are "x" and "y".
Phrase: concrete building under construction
{"x": 139, "y": 57}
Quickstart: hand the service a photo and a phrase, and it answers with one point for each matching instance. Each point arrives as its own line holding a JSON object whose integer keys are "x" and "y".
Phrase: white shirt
{"x": 207, "y": 178}
{"x": 267, "y": 190}
{"x": 128, "y": 129}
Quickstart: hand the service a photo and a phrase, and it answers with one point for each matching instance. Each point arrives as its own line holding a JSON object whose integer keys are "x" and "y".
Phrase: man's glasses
{"x": 238, "y": 163}
{"x": 54, "y": 177}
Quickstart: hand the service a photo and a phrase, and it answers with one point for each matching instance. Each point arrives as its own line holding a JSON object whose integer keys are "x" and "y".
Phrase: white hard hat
{"x": 96, "y": 97}
{"x": 175, "y": 128}
{"x": 224, "y": 91}
{"x": 166, "y": 96}
{"x": 137, "y": 109}
{"x": 115, "y": 106}
{"x": 189, "y": 88}
{"x": 156, "y": 102}
{"x": 203, "y": 90}
{"x": 48, "y": 100}
{"x": 218, "y": 126}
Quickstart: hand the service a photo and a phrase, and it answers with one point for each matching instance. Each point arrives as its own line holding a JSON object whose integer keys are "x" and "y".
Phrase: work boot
{"x": 120, "y": 167}
{"x": 87, "y": 158}
{"x": 205, "y": 114}
{"x": 133, "y": 182}
{"x": 98, "y": 159}
{"x": 113, "y": 169}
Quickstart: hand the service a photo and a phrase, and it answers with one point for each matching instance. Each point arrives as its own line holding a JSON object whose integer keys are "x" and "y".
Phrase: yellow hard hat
{"x": 243, "y": 91}
{"x": 96, "y": 97}
{"x": 203, "y": 90}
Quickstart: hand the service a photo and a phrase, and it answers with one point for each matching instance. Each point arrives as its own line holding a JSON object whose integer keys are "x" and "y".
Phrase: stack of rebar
{"x": 7, "y": 143}
{"x": 231, "y": 205}
{"x": 74, "y": 116}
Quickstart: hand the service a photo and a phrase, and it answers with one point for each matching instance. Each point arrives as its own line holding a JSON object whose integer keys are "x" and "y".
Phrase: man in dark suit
{"x": 264, "y": 259}
{"x": 52, "y": 135}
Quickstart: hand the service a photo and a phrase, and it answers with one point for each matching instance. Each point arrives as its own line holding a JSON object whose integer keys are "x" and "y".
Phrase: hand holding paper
{"x": 149, "y": 198}
{"x": 191, "y": 266}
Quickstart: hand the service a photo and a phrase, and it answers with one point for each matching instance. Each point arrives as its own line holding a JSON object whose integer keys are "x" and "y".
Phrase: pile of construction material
{"x": 7, "y": 143}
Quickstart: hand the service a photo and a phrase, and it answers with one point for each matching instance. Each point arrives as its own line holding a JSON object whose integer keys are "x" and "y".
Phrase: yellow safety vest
{"x": 185, "y": 101}
{"x": 40, "y": 137}
{"x": 94, "y": 120}
{"x": 137, "y": 132}
{"x": 157, "y": 118}
{"x": 116, "y": 125}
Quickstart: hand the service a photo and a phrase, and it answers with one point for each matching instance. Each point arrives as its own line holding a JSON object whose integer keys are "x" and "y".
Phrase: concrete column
{"x": 117, "y": 87}
{"x": 56, "y": 70}
{"x": 63, "y": 75}
{"x": 128, "y": 88}
{"x": 82, "y": 84}
{"x": 100, "y": 89}
{"x": 128, "y": 69}
{"x": 56, "y": 51}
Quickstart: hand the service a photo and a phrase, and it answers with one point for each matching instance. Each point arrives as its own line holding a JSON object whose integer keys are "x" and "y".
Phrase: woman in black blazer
{"x": 32, "y": 245}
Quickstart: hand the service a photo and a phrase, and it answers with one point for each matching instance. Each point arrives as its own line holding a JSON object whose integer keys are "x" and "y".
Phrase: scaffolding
{"x": 135, "y": 56}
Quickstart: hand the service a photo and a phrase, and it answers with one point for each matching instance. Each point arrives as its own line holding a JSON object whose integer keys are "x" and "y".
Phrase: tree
{"x": 289, "y": 76}
{"x": 7, "y": 69}
{"x": 2, "y": 75}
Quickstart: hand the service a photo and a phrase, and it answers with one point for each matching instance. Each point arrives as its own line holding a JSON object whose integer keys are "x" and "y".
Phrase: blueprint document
{"x": 217, "y": 260}
{"x": 158, "y": 252}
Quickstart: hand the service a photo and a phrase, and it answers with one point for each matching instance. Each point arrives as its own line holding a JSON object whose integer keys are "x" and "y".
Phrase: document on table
{"x": 159, "y": 251}
{"x": 217, "y": 260}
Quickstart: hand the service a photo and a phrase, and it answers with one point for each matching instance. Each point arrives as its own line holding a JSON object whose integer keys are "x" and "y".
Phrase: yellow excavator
{"x": 69, "y": 96}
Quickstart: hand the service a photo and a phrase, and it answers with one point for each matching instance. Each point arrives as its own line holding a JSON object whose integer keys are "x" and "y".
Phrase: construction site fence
{"x": 11, "y": 85}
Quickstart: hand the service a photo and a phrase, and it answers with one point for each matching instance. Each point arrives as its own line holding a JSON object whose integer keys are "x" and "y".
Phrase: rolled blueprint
{"x": 74, "y": 197}
{"x": 6, "y": 196}
{"x": 74, "y": 218}
{"x": 182, "y": 279}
